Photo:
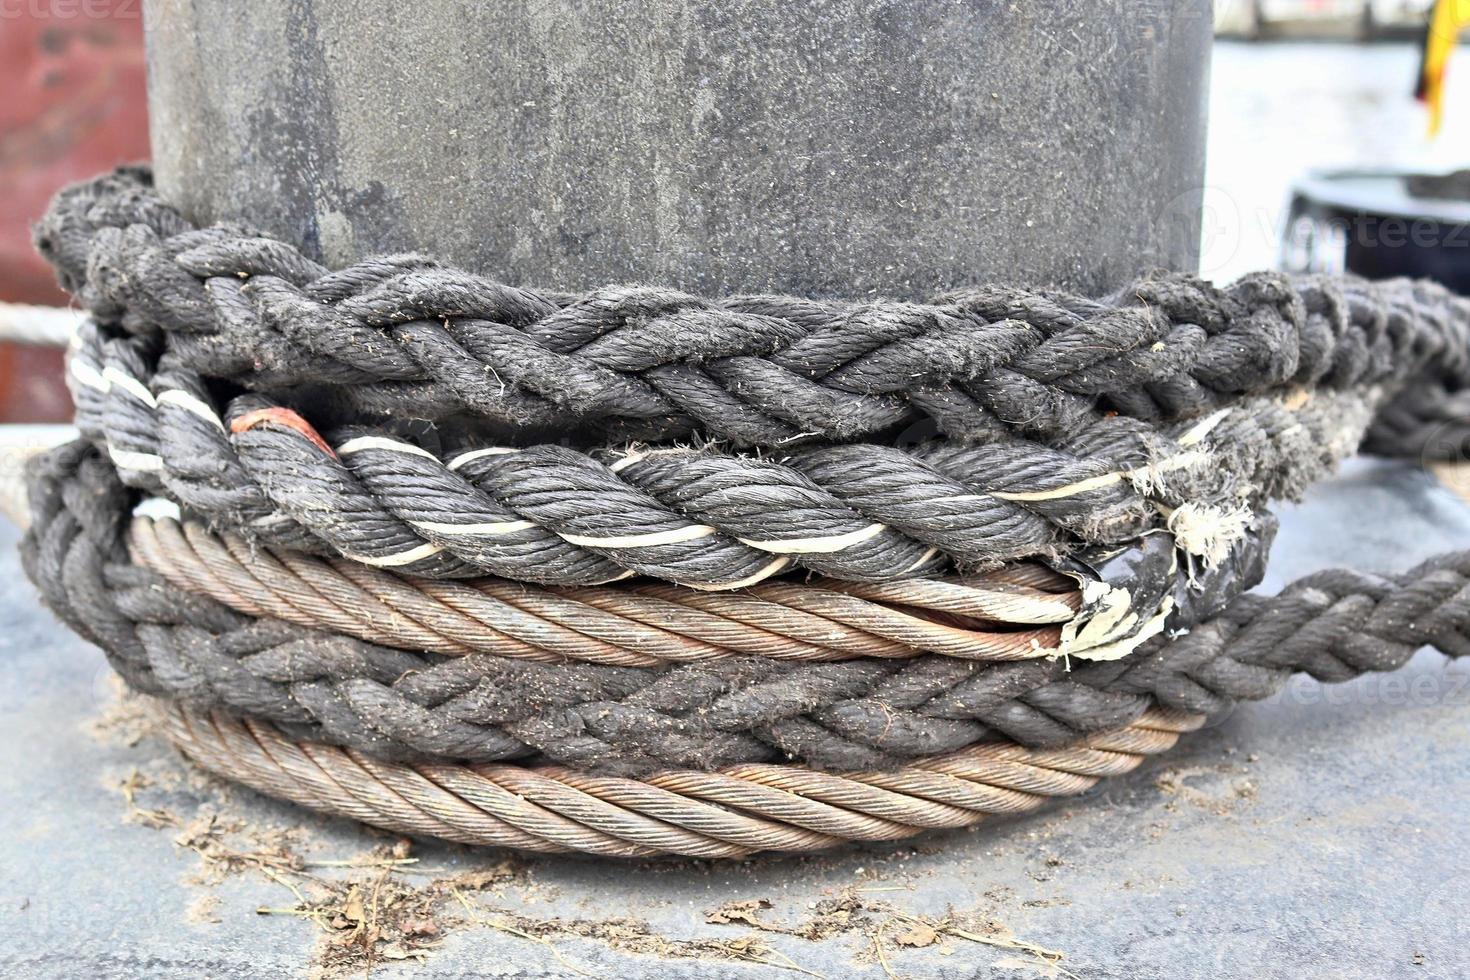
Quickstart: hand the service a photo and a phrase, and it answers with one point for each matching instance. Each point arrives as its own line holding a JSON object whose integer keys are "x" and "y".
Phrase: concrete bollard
{"x": 820, "y": 147}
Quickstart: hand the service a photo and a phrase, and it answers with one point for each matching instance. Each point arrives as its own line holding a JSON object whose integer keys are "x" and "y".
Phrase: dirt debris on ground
{"x": 380, "y": 904}
{"x": 887, "y": 929}
{"x": 1221, "y": 789}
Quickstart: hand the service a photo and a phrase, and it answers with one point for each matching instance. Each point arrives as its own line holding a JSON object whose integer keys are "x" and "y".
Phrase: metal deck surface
{"x": 1321, "y": 833}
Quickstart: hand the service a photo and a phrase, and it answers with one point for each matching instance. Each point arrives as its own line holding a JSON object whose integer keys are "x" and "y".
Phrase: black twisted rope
{"x": 863, "y": 714}
{"x": 403, "y": 335}
{"x": 701, "y": 517}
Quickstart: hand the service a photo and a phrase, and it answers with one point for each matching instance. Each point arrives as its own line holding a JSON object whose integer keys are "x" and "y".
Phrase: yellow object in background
{"x": 1445, "y": 23}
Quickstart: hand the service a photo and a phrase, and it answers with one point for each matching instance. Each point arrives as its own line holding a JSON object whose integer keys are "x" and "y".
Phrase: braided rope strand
{"x": 403, "y": 335}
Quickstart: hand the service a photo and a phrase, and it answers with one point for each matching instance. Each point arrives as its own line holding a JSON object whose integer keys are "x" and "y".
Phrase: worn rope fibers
{"x": 394, "y": 704}
{"x": 398, "y": 414}
{"x": 863, "y": 714}
{"x": 404, "y": 336}
{"x": 1085, "y": 455}
{"x": 698, "y": 517}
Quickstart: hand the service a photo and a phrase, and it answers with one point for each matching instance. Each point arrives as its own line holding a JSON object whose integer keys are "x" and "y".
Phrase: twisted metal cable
{"x": 985, "y": 617}
{"x": 734, "y": 812}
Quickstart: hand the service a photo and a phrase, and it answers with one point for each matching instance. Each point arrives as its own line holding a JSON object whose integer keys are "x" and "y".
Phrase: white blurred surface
{"x": 1280, "y": 109}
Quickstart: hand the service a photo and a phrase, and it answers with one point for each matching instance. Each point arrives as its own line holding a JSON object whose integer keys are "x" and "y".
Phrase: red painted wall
{"x": 72, "y": 75}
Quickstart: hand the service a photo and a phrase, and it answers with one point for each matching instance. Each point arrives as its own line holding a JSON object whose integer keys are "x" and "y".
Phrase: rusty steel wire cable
{"x": 728, "y": 813}
{"x": 992, "y": 616}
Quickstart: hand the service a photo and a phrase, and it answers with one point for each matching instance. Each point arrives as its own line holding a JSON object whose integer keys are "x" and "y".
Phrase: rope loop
{"x": 636, "y": 572}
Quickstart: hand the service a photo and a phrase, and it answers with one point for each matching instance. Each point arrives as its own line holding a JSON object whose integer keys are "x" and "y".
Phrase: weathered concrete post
{"x": 826, "y": 147}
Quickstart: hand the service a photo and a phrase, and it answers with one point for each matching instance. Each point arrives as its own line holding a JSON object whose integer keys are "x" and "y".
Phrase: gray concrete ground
{"x": 1318, "y": 834}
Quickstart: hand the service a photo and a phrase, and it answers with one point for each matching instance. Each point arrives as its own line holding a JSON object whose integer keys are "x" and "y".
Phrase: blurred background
{"x": 73, "y": 78}
{"x": 1312, "y": 85}
{"x": 1298, "y": 87}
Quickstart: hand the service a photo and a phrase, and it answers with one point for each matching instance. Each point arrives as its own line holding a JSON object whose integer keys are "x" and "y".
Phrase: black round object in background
{"x": 1380, "y": 224}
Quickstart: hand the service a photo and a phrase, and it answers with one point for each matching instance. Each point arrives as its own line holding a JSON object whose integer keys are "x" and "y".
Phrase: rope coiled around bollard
{"x": 699, "y": 517}
{"x": 423, "y": 568}
{"x": 403, "y": 335}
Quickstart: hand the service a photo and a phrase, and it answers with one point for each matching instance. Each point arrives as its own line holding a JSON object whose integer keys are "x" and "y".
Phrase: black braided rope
{"x": 863, "y": 714}
{"x": 403, "y": 335}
